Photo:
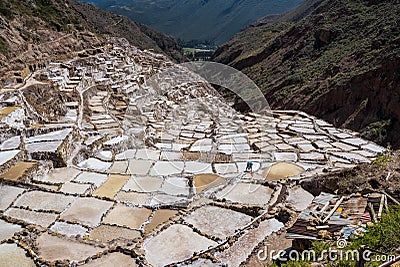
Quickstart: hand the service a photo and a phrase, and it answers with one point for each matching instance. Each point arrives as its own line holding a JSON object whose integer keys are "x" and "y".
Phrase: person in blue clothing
{"x": 249, "y": 167}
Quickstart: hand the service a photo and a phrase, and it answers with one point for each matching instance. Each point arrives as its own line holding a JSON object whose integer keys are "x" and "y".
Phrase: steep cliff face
{"x": 36, "y": 31}
{"x": 341, "y": 63}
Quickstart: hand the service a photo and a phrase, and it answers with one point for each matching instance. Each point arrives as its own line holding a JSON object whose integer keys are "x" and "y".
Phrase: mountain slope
{"x": 136, "y": 33}
{"x": 36, "y": 31}
{"x": 212, "y": 21}
{"x": 341, "y": 62}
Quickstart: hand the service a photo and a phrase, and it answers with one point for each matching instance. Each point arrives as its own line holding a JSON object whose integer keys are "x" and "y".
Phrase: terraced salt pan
{"x": 246, "y": 193}
{"x": 198, "y": 167}
{"x": 203, "y": 182}
{"x": 33, "y": 217}
{"x": 87, "y": 211}
{"x": 60, "y": 175}
{"x": 13, "y": 256}
{"x": 107, "y": 233}
{"x": 128, "y": 154}
{"x": 355, "y": 141}
{"x": 6, "y": 111}
{"x": 116, "y": 141}
{"x": 299, "y": 198}
{"x": 54, "y": 248}
{"x": 53, "y": 136}
{"x": 132, "y": 197}
{"x": 374, "y": 148}
{"x": 163, "y": 199}
{"x": 113, "y": 259}
{"x": 139, "y": 167}
{"x": 43, "y": 147}
{"x": 91, "y": 177}
{"x": 148, "y": 154}
{"x": 159, "y": 251}
{"x": 69, "y": 230}
{"x": 165, "y": 168}
{"x": 266, "y": 135}
{"x": 282, "y": 170}
{"x": 131, "y": 217}
{"x": 95, "y": 165}
{"x": 234, "y": 148}
{"x": 313, "y": 156}
{"x": 225, "y": 168}
{"x": 203, "y": 145}
{"x": 75, "y": 188}
{"x": 143, "y": 184}
{"x": 7, "y": 230}
{"x": 119, "y": 167}
{"x": 353, "y": 157}
{"x": 159, "y": 217}
{"x": 39, "y": 200}
{"x": 285, "y": 156}
{"x": 6, "y": 156}
{"x": 239, "y": 251}
{"x": 19, "y": 171}
{"x": 8, "y": 195}
{"x": 175, "y": 186}
{"x": 173, "y": 156}
{"x": 111, "y": 187}
{"x": 105, "y": 155}
{"x": 344, "y": 147}
{"x": 11, "y": 143}
{"x": 217, "y": 221}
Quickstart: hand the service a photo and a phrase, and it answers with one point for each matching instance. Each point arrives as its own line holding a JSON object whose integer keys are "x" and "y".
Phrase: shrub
{"x": 385, "y": 235}
{"x": 3, "y": 46}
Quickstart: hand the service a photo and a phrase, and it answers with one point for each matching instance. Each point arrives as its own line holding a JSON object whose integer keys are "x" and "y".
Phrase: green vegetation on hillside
{"x": 5, "y": 10}
{"x": 197, "y": 21}
{"x": 52, "y": 13}
{"x": 3, "y": 46}
{"x": 383, "y": 236}
{"x": 36, "y": 19}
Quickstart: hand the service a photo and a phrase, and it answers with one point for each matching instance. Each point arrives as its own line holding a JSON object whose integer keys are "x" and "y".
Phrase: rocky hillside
{"x": 197, "y": 21}
{"x": 136, "y": 33}
{"x": 340, "y": 62}
{"x": 36, "y": 31}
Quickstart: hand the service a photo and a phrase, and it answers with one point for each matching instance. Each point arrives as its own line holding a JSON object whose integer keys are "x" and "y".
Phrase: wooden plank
{"x": 391, "y": 198}
{"x": 381, "y": 206}
{"x": 373, "y": 215}
{"x": 333, "y": 210}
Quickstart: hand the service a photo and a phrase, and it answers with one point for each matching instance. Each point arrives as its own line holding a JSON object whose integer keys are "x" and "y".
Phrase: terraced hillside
{"x": 341, "y": 62}
{"x": 35, "y": 32}
{"x": 103, "y": 164}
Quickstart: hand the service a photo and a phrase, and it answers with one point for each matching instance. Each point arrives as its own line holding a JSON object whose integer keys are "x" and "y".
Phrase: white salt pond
{"x": 13, "y": 256}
